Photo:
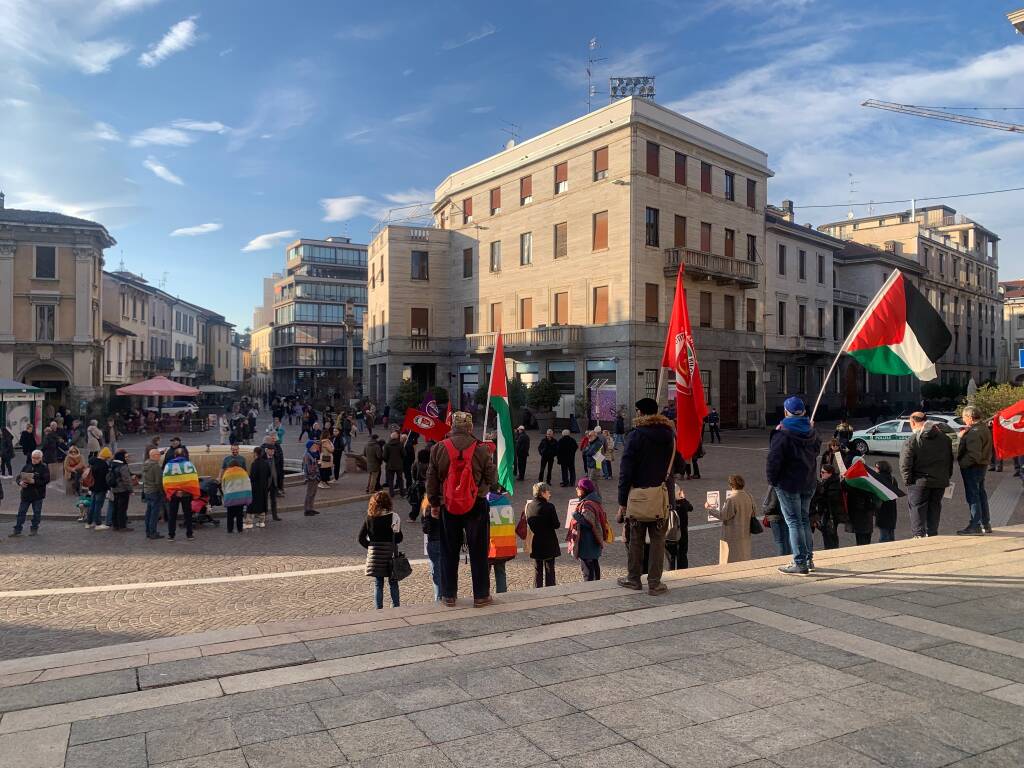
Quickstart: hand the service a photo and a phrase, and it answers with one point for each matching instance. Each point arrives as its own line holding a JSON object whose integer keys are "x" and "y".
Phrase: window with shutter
{"x": 653, "y": 153}
{"x": 600, "y": 231}
{"x": 650, "y": 302}
{"x": 601, "y": 305}
{"x": 752, "y": 315}
{"x": 525, "y": 314}
{"x": 802, "y": 264}
{"x": 467, "y": 210}
{"x": 730, "y": 312}
{"x": 821, "y": 268}
{"x": 730, "y": 185}
{"x": 801, "y": 319}
{"x": 679, "y": 232}
{"x": 526, "y": 248}
{"x": 561, "y": 240}
{"x": 782, "y": 259}
{"x": 495, "y": 201}
{"x": 782, "y": 318}
{"x": 418, "y": 322}
{"x": 705, "y": 237}
{"x": 705, "y": 177}
{"x": 467, "y": 320}
{"x": 496, "y": 317}
{"x": 600, "y": 163}
{"x": 730, "y": 244}
{"x": 561, "y": 308}
{"x": 751, "y": 247}
{"x": 496, "y": 256}
{"x": 561, "y": 178}
{"x": 680, "y": 168}
{"x": 467, "y": 262}
{"x": 705, "y": 309}
{"x": 751, "y": 193}
{"x": 651, "y": 221}
{"x": 526, "y": 190}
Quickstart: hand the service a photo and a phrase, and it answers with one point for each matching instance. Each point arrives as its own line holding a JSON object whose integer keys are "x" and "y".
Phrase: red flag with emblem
{"x": 681, "y": 357}
{"x": 1008, "y": 432}
{"x": 430, "y": 427}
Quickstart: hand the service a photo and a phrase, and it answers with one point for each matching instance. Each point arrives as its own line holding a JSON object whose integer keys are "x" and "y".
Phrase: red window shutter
{"x": 495, "y": 199}
{"x": 679, "y": 240}
{"x": 705, "y": 177}
{"x": 751, "y": 193}
{"x": 561, "y": 308}
{"x": 730, "y": 243}
{"x": 600, "y": 230}
{"x": 705, "y": 237}
{"x": 653, "y": 153}
{"x": 561, "y": 172}
{"x": 526, "y": 186}
{"x": 680, "y": 168}
{"x": 601, "y": 159}
{"x": 601, "y": 305}
{"x": 467, "y": 208}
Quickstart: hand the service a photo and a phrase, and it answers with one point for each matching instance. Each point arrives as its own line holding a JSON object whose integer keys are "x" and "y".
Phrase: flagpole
{"x": 849, "y": 337}
{"x": 490, "y": 386}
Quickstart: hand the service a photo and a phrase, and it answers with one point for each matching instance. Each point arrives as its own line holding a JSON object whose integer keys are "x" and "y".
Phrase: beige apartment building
{"x": 50, "y": 295}
{"x": 959, "y": 263}
{"x": 570, "y": 243}
{"x": 1010, "y": 368}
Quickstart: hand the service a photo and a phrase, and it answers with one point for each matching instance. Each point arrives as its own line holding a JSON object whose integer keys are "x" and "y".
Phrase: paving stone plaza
{"x": 901, "y": 654}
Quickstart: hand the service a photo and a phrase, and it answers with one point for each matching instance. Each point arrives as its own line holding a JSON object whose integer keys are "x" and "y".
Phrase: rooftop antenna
{"x": 591, "y": 61}
{"x": 853, "y": 191}
{"x": 512, "y": 131}
{"x": 120, "y": 266}
{"x": 163, "y": 281}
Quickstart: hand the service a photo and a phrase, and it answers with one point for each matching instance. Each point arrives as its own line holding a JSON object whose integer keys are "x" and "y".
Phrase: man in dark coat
{"x": 33, "y": 479}
{"x": 548, "y": 450}
{"x": 260, "y": 478}
{"x": 522, "y": 451}
{"x": 792, "y": 470}
{"x": 650, "y": 451}
{"x": 926, "y": 464}
{"x": 394, "y": 463}
{"x": 567, "y": 448}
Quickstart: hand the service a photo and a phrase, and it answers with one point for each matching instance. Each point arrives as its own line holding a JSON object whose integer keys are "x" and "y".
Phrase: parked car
{"x": 178, "y": 408}
{"x": 888, "y": 437}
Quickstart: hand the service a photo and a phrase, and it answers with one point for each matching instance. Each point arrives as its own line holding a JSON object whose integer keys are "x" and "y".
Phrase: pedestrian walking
{"x": 522, "y": 444}
{"x": 714, "y": 422}
{"x": 678, "y": 545}
{"x": 326, "y": 461}
{"x": 260, "y": 482}
{"x": 394, "y": 463}
{"x": 885, "y": 517}
{"x": 380, "y": 535}
{"x": 7, "y": 453}
{"x": 153, "y": 492}
{"x": 461, "y": 466}
{"x": 791, "y": 469}
{"x": 565, "y": 453}
{"x": 542, "y": 520}
{"x": 548, "y": 450}
{"x": 311, "y": 471}
{"x": 93, "y": 438}
{"x": 181, "y": 485}
{"x": 33, "y": 479}
{"x": 926, "y": 465}
{"x": 374, "y": 455}
{"x": 735, "y": 514}
{"x": 585, "y": 539}
{"x": 645, "y": 487}
{"x": 121, "y": 488}
{"x": 827, "y": 509}
{"x": 973, "y": 454}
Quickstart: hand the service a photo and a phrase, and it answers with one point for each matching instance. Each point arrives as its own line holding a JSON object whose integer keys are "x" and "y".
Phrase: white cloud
{"x": 486, "y": 30}
{"x": 95, "y": 57}
{"x": 226, "y": 51}
{"x": 407, "y": 72}
{"x": 364, "y": 32}
{"x": 270, "y": 240}
{"x": 276, "y": 112}
{"x": 413, "y": 117}
{"x": 345, "y": 208}
{"x": 410, "y": 196}
{"x": 162, "y": 171}
{"x": 482, "y": 110}
{"x": 112, "y": 8}
{"x": 15, "y": 103}
{"x": 179, "y": 37}
{"x": 164, "y": 137}
{"x": 199, "y": 229}
{"x": 103, "y": 132}
{"x": 197, "y": 125}
{"x": 358, "y": 133}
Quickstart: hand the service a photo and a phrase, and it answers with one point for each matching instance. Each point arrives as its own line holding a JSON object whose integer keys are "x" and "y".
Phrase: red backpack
{"x": 460, "y": 487}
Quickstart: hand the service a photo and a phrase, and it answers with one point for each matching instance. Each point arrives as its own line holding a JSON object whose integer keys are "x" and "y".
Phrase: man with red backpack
{"x": 460, "y": 473}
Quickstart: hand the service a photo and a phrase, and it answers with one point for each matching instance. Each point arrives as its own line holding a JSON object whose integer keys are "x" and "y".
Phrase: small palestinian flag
{"x": 863, "y": 478}
{"x": 899, "y": 333}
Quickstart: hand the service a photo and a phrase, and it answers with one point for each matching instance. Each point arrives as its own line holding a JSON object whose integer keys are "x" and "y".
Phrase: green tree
{"x": 440, "y": 395}
{"x": 543, "y": 395}
{"x": 516, "y": 394}
{"x": 991, "y": 399}
{"x": 406, "y": 396}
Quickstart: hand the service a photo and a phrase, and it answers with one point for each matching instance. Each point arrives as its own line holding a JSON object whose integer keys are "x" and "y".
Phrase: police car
{"x": 889, "y": 436}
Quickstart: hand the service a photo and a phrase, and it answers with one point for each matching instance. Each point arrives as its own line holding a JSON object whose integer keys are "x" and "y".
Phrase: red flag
{"x": 428, "y": 426}
{"x": 681, "y": 357}
{"x": 1008, "y": 432}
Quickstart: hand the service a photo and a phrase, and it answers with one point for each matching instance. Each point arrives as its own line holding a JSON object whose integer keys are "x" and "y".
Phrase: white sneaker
{"x": 91, "y": 525}
{"x": 261, "y": 525}
{"x": 102, "y": 528}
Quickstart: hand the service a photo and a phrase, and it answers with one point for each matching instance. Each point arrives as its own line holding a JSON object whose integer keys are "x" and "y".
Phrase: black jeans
{"x": 5, "y": 467}
{"x": 591, "y": 570}
{"x": 716, "y": 433}
{"x": 121, "y": 509}
{"x": 863, "y": 538}
{"x": 520, "y": 465}
{"x": 925, "y": 509}
{"x": 272, "y": 501}
{"x": 548, "y": 465}
{"x": 185, "y": 504}
{"x": 568, "y": 473}
{"x": 829, "y": 533}
{"x": 475, "y": 525}
{"x": 544, "y": 573}
{"x": 234, "y": 515}
{"x": 396, "y": 480}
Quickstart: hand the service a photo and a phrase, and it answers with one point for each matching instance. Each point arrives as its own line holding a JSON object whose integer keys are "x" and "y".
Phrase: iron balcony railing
{"x": 700, "y": 263}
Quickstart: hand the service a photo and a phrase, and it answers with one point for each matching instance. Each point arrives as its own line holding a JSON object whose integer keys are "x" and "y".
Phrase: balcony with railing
{"x": 164, "y": 364}
{"x": 722, "y": 269}
{"x": 549, "y": 337}
{"x": 188, "y": 364}
{"x": 142, "y": 369}
{"x": 849, "y": 297}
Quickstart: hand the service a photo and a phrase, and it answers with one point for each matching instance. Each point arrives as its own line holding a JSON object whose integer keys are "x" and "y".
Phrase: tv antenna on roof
{"x": 163, "y": 281}
{"x": 591, "y": 61}
{"x": 853, "y": 194}
{"x": 512, "y": 131}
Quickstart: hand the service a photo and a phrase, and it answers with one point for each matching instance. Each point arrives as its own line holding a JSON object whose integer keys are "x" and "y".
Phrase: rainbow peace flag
{"x": 236, "y": 487}
{"x": 180, "y": 475}
{"x": 503, "y": 527}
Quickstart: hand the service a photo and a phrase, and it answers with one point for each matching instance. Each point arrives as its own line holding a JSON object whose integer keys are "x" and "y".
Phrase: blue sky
{"x": 205, "y": 134}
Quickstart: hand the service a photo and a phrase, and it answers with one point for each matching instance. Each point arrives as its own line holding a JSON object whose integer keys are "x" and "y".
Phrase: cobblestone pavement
{"x": 67, "y": 556}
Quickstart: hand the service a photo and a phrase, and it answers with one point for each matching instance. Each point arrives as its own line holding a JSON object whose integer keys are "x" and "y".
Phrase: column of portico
{"x": 7, "y": 309}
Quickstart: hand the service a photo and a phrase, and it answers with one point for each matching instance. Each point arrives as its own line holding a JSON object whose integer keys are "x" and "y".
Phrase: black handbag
{"x": 400, "y": 567}
{"x": 755, "y": 525}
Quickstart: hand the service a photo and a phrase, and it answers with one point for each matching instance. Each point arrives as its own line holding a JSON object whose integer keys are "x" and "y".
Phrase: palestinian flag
{"x": 863, "y": 478}
{"x": 899, "y": 333}
{"x": 498, "y": 401}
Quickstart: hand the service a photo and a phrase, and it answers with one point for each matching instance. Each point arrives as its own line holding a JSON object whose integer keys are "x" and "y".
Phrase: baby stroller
{"x": 209, "y": 496}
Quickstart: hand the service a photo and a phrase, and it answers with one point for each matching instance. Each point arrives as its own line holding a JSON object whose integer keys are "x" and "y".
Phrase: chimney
{"x": 1, "y": 201}
{"x": 787, "y": 210}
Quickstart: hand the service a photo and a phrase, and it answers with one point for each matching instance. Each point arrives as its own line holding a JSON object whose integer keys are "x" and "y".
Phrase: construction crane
{"x": 940, "y": 114}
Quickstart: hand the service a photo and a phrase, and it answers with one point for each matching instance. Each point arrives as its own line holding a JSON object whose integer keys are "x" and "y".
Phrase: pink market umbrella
{"x": 160, "y": 386}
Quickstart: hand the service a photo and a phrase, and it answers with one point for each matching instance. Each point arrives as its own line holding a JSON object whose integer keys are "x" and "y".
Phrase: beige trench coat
{"x": 734, "y": 546}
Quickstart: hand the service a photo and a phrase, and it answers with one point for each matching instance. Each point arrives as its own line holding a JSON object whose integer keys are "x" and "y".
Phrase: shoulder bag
{"x": 650, "y": 504}
{"x": 400, "y": 567}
